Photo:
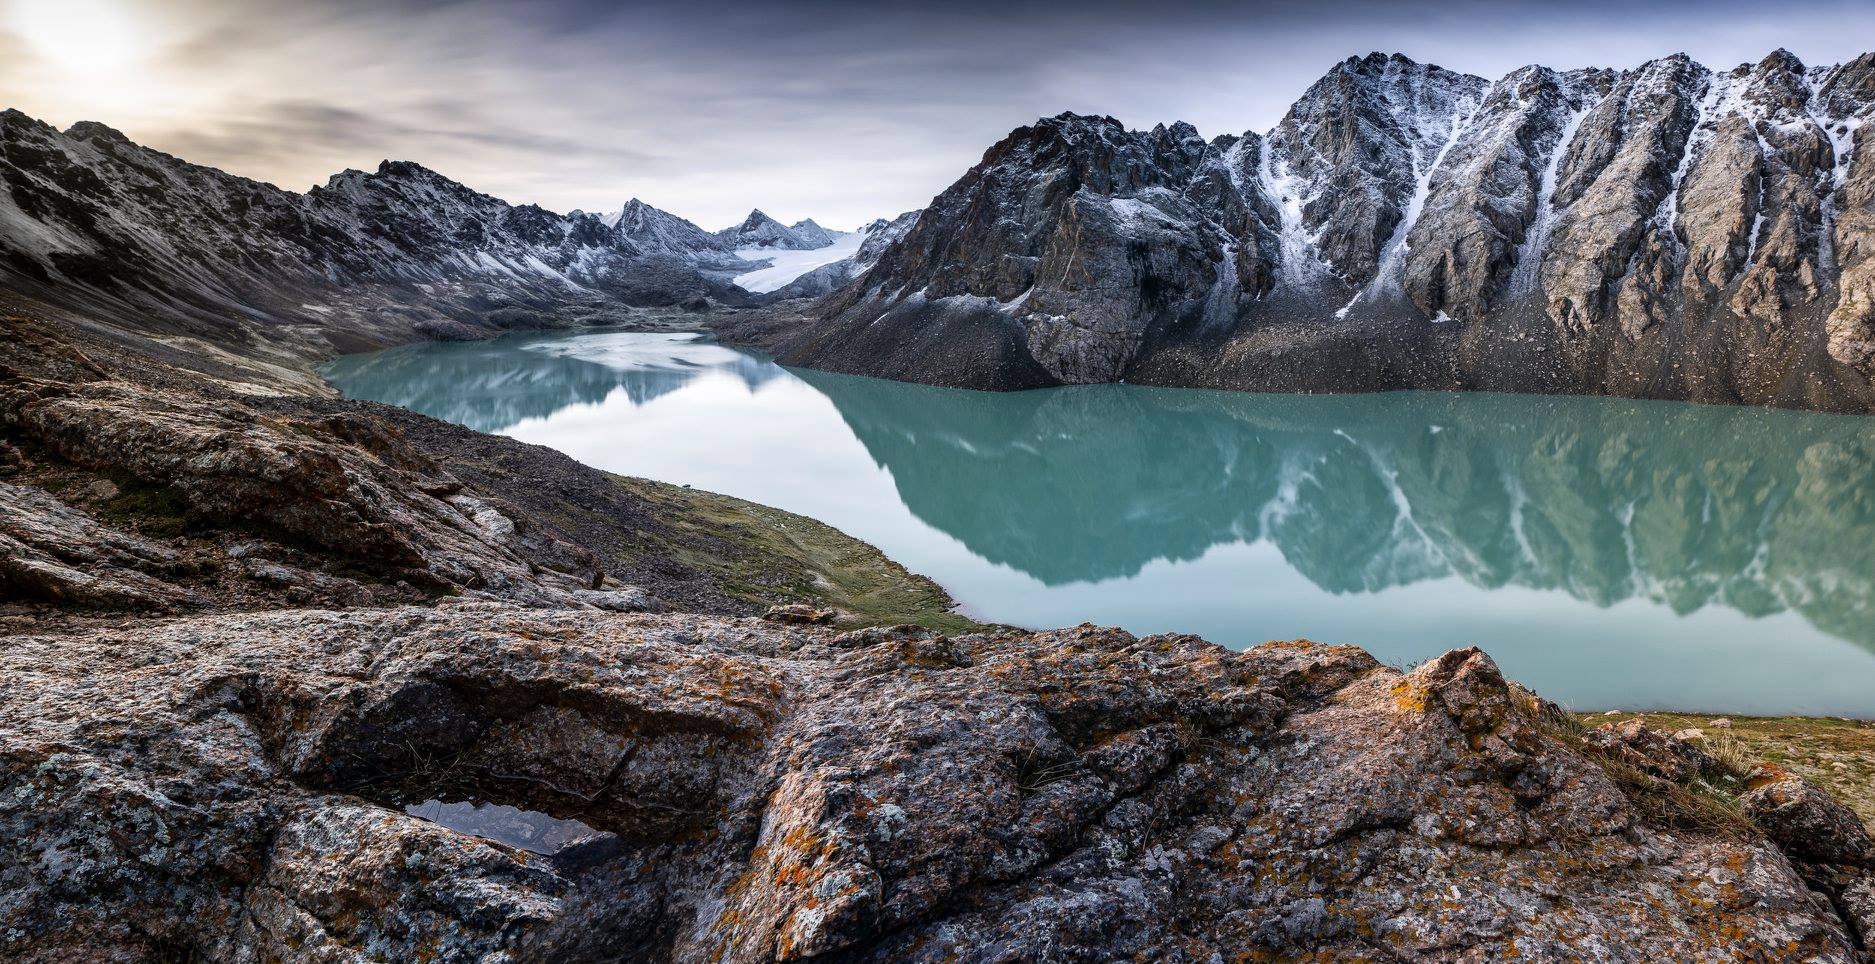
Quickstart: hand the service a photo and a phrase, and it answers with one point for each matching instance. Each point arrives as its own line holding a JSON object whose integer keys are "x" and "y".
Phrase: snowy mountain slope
{"x": 93, "y": 221}
{"x": 811, "y": 273}
{"x": 783, "y": 265}
{"x": 1664, "y": 231}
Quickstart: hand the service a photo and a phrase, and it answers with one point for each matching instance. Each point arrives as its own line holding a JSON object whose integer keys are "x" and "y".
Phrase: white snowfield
{"x": 785, "y": 265}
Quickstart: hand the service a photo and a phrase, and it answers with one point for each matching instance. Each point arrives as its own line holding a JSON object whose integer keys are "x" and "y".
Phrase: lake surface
{"x": 1610, "y": 553}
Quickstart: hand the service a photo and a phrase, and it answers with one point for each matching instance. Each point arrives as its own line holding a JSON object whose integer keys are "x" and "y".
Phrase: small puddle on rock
{"x": 527, "y": 830}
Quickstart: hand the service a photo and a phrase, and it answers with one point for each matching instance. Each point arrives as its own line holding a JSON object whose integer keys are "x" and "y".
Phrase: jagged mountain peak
{"x": 758, "y": 218}
{"x": 95, "y": 130}
{"x": 1850, "y": 88}
{"x": 759, "y": 230}
{"x": 1605, "y": 207}
{"x": 1377, "y": 65}
{"x": 813, "y": 234}
{"x": 1782, "y": 59}
{"x": 407, "y": 185}
{"x": 656, "y": 230}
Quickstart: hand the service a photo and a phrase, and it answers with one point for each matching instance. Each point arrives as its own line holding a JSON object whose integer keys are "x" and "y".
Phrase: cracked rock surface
{"x": 234, "y": 787}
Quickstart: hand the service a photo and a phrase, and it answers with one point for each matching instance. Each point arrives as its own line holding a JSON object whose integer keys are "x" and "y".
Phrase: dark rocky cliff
{"x": 1668, "y": 231}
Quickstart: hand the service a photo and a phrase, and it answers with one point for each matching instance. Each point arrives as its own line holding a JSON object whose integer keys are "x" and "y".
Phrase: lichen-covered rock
{"x": 1664, "y": 756}
{"x": 799, "y": 614}
{"x": 233, "y": 788}
{"x": 53, "y": 551}
{"x": 625, "y": 599}
{"x": 1804, "y": 819}
{"x": 348, "y": 486}
{"x": 1858, "y": 904}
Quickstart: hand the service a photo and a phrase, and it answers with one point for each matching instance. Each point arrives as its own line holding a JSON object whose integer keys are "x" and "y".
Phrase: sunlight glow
{"x": 84, "y": 37}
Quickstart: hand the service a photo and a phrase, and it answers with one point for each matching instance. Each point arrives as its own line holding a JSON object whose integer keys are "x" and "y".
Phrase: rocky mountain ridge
{"x": 191, "y": 255}
{"x": 1667, "y": 231}
{"x": 758, "y": 230}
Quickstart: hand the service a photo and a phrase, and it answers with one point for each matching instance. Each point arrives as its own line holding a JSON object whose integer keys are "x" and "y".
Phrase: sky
{"x": 837, "y": 110}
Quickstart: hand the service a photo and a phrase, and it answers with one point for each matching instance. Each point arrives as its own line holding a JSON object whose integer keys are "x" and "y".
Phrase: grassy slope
{"x": 1838, "y": 755}
{"x": 818, "y": 563}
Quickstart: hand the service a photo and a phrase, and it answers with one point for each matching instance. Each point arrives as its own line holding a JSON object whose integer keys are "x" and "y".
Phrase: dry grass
{"x": 1835, "y": 754}
{"x": 1704, "y": 802}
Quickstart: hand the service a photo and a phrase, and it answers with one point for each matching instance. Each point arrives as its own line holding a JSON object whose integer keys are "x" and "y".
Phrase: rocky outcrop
{"x": 130, "y": 485}
{"x": 50, "y": 550}
{"x": 343, "y": 485}
{"x": 1668, "y": 231}
{"x": 748, "y": 790}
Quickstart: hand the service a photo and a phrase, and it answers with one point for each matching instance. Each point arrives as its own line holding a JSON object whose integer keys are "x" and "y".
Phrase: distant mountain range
{"x": 1668, "y": 231}
{"x": 94, "y": 222}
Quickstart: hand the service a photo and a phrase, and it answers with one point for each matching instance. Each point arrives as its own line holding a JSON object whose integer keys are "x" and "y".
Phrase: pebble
{"x": 100, "y": 490}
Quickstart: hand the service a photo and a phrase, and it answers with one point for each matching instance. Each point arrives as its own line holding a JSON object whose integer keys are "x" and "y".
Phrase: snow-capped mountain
{"x": 654, "y": 230}
{"x": 92, "y": 221}
{"x": 1668, "y": 231}
{"x": 758, "y": 230}
{"x": 812, "y": 273}
{"x": 813, "y": 235}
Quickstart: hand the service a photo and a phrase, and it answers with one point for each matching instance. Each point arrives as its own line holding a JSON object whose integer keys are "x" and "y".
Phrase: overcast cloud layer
{"x": 836, "y": 110}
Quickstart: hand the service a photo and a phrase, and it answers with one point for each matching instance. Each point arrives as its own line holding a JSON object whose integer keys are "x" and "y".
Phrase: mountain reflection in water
{"x": 1682, "y": 508}
{"x": 491, "y": 385}
{"x": 1605, "y": 499}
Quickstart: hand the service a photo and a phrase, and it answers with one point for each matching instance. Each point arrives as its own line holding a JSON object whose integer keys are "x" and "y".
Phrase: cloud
{"x": 280, "y": 132}
{"x": 833, "y": 109}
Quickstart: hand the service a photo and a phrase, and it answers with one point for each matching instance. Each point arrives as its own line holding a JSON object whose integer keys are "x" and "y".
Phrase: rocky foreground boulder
{"x": 240, "y": 787}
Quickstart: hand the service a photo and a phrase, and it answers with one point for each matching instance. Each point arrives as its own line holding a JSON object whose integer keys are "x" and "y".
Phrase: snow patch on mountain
{"x": 784, "y": 265}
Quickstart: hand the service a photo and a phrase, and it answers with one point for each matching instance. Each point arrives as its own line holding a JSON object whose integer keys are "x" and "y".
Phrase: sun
{"x": 89, "y": 37}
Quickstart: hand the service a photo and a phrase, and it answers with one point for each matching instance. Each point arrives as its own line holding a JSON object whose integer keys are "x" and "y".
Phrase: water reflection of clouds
{"x": 491, "y": 386}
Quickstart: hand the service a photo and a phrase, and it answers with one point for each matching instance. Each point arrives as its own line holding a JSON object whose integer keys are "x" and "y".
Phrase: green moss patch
{"x": 766, "y": 555}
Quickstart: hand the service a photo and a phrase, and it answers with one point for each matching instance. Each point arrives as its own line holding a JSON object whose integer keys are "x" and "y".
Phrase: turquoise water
{"x": 1610, "y": 553}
